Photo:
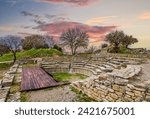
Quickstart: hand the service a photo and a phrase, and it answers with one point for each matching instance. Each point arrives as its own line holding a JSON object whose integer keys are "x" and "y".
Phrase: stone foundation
{"x": 114, "y": 90}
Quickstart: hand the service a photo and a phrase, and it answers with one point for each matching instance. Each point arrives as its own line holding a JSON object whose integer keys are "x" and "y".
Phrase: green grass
{"x": 67, "y": 76}
{"x": 5, "y": 65}
{"x": 24, "y": 97}
{"x": 80, "y": 96}
{"x": 15, "y": 88}
{"x": 33, "y": 53}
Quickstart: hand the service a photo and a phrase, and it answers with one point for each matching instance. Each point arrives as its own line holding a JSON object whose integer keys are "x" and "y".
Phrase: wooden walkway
{"x": 36, "y": 78}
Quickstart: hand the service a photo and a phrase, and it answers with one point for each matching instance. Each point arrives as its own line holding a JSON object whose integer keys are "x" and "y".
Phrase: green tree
{"x": 115, "y": 39}
{"x": 74, "y": 39}
{"x": 57, "y": 48}
{"x": 128, "y": 40}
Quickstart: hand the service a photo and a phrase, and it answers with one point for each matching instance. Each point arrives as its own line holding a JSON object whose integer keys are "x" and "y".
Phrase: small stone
{"x": 130, "y": 86}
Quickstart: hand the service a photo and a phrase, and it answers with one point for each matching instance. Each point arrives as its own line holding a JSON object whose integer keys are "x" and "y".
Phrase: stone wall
{"x": 114, "y": 89}
{"x": 6, "y": 82}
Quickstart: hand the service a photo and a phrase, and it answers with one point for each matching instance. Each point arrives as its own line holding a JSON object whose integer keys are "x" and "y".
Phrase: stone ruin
{"x": 6, "y": 83}
{"x": 109, "y": 79}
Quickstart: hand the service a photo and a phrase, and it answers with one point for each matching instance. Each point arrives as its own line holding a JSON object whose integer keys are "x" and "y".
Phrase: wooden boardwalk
{"x": 36, "y": 78}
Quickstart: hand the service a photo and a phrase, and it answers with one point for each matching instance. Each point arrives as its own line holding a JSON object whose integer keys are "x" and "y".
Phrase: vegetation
{"x": 3, "y": 49}
{"x": 104, "y": 45}
{"x": 118, "y": 39}
{"x": 13, "y": 43}
{"x": 67, "y": 76}
{"x": 24, "y": 97}
{"x": 80, "y": 96}
{"x": 57, "y": 48}
{"x": 33, "y": 53}
{"x": 34, "y": 41}
{"x": 4, "y": 65}
{"x": 74, "y": 39}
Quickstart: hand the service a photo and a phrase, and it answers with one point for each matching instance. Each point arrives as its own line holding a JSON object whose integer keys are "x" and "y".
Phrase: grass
{"x": 15, "y": 88}
{"x": 80, "y": 96}
{"x": 33, "y": 53}
{"x": 24, "y": 97}
{"x": 67, "y": 76}
{"x": 5, "y": 65}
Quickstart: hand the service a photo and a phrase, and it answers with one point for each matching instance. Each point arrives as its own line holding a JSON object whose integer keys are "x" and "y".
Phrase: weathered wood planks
{"x": 36, "y": 78}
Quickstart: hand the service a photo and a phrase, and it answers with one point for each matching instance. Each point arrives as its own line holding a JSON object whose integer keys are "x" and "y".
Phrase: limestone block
{"x": 113, "y": 95}
{"x": 130, "y": 93}
{"x": 147, "y": 98}
{"x": 119, "y": 93}
{"x": 115, "y": 87}
{"x": 140, "y": 89}
{"x": 120, "y": 81}
{"x": 110, "y": 90}
{"x": 3, "y": 94}
{"x": 130, "y": 86}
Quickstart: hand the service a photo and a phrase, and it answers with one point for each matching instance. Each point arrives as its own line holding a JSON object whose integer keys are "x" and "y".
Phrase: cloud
{"x": 26, "y": 13}
{"x": 145, "y": 16}
{"x": 72, "y": 2}
{"x": 7, "y": 28}
{"x": 95, "y": 32}
{"x": 99, "y": 20}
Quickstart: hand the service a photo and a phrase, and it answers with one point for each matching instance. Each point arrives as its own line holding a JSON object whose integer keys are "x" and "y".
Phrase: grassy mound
{"x": 33, "y": 53}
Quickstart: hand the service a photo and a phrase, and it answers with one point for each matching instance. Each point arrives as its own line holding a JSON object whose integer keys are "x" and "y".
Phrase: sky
{"x": 96, "y": 17}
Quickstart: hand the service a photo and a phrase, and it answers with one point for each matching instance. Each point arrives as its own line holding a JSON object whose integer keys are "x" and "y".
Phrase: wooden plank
{"x": 36, "y": 78}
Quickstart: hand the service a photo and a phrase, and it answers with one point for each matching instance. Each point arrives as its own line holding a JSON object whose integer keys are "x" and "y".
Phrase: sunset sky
{"x": 96, "y": 17}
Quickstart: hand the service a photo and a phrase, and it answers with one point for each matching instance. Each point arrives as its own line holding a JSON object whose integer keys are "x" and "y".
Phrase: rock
{"x": 115, "y": 87}
{"x": 147, "y": 98}
{"x": 113, "y": 95}
{"x": 130, "y": 86}
{"x": 110, "y": 90}
{"x": 3, "y": 94}
{"x": 130, "y": 93}
{"x": 120, "y": 81}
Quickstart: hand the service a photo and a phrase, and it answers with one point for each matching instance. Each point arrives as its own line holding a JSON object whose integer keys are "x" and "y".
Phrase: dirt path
{"x": 57, "y": 94}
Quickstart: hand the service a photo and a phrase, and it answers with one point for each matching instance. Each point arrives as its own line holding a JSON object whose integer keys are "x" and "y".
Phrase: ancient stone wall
{"x": 114, "y": 90}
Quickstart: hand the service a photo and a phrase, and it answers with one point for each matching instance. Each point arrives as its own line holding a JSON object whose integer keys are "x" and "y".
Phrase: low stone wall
{"x": 6, "y": 82}
{"x": 114, "y": 89}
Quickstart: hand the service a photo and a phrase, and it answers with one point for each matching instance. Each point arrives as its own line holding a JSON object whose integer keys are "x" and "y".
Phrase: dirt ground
{"x": 57, "y": 94}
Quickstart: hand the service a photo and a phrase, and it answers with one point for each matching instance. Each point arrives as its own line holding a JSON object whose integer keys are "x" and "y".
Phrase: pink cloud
{"x": 95, "y": 32}
{"x": 72, "y": 2}
{"x": 145, "y": 16}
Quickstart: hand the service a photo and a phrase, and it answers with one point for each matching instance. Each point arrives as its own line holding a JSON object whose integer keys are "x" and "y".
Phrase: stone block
{"x": 110, "y": 90}
{"x": 147, "y": 98}
{"x": 113, "y": 95}
{"x": 130, "y": 86}
{"x": 115, "y": 87}
{"x": 121, "y": 81}
{"x": 129, "y": 93}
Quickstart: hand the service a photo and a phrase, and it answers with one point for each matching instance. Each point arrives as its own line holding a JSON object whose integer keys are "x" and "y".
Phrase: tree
{"x": 74, "y": 39}
{"x": 34, "y": 41}
{"x": 104, "y": 45}
{"x": 49, "y": 41}
{"x": 13, "y": 43}
{"x": 128, "y": 40}
{"x": 3, "y": 49}
{"x": 115, "y": 39}
{"x": 57, "y": 48}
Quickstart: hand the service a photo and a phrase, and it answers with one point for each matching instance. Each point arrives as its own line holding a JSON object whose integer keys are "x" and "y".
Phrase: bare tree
{"x": 74, "y": 39}
{"x": 34, "y": 41}
{"x": 13, "y": 43}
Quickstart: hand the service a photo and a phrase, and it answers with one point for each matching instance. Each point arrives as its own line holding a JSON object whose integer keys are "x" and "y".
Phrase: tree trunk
{"x": 14, "y": 57}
